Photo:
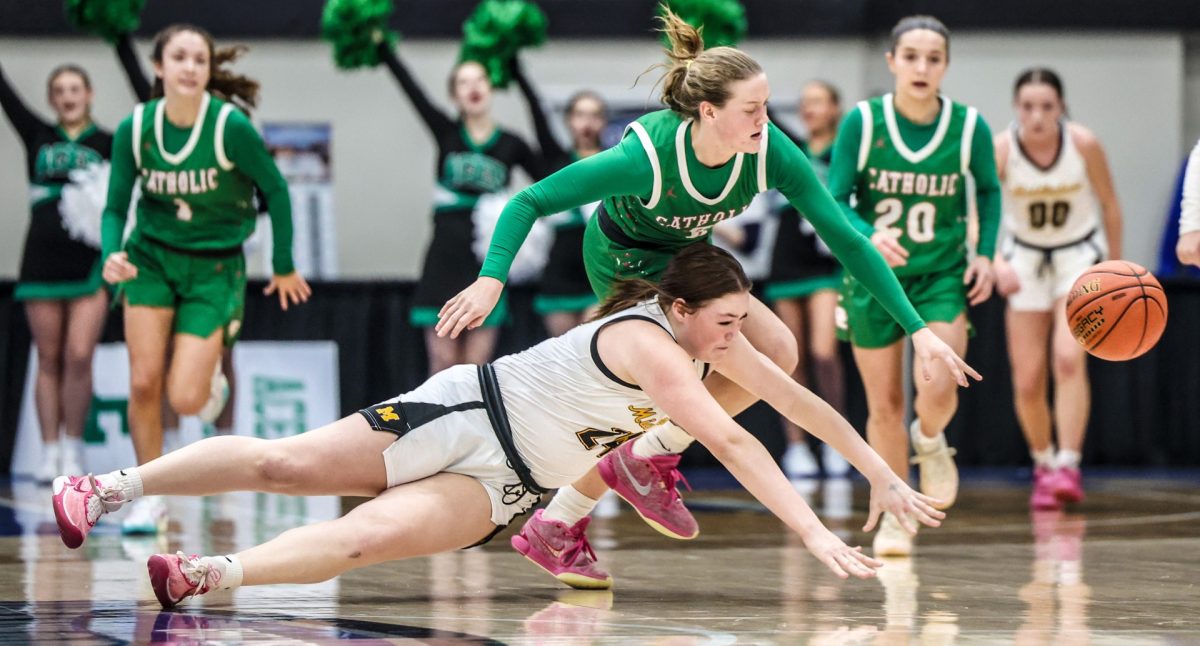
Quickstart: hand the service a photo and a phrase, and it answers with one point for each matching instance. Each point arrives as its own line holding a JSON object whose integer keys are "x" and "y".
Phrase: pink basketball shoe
{"x": 176, "y": 577}
{"x": 562, "y": 551}
{"x": 1068, "y": 485}
{"x": 649, "y": 485}
{"x": 79, "y": 501}
{"x": 1043, "y": 498}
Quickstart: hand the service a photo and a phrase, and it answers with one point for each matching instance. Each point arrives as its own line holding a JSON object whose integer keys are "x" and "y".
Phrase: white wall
{"x": 1128, "y": 88}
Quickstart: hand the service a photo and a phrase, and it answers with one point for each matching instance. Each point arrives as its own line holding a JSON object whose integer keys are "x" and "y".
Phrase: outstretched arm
{"x": 23, "y": 120}
{"x": 621, "y": 170}
{"x": 436, "y": 120}
{"x": 789, "y": 171}
{"x": 554, "y": 155}
{"x": 753, "y": 371}
{"x": 133, "y": 69}
{"x": 671, "y": 382}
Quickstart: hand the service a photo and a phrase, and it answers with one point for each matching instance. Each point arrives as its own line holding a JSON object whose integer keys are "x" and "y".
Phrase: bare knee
{"x": 1028, "y": 387}
{"x": 188, "y": 399}
{"x": 1069, "y": 366}
{"x": 145, "y": 385}
{"x": 887, "y": 410}
{"x": 279, "y": 469}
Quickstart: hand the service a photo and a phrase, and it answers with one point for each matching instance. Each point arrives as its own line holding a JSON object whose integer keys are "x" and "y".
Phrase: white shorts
{"x": 1047, "y": 275}
{"x": 443, "y": 427}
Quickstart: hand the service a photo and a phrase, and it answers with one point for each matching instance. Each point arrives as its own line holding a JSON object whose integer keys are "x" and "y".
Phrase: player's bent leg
{"x": 443, "y": 512}
{"x": 936, "y": 401}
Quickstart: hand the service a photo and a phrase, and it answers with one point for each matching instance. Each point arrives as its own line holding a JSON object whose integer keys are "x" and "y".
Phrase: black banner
{"x": 632, "y": 18}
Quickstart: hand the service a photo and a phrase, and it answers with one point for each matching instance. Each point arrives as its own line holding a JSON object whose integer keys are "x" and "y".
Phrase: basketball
{"x": 1117, "y": 310}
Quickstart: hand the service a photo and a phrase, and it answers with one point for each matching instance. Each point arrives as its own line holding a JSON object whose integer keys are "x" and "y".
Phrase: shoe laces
{"x": 103, "y": 499}
{"x": 667, "y": 467}
{"x": 577, "y": 535}
{"x": 197, "y": 572}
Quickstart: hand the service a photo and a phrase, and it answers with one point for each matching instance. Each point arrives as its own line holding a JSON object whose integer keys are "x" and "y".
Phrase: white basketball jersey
{"x": 566, "y": 408}
{"x": 1051, "y": 206}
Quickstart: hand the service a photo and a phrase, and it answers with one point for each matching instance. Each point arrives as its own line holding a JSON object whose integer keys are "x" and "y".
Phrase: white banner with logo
{"x": 282, "y": 388}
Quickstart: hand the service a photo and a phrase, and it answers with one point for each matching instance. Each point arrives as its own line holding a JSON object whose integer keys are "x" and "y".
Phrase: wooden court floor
{"x": 1123, "y": 568}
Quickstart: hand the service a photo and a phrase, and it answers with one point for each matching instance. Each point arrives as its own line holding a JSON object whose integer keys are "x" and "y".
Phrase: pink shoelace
{"x": 668, "y": 469}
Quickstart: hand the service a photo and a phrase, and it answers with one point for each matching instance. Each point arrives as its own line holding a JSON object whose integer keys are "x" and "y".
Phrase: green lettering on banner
{"x": 92, "y": 432}
{"x": 279, "y": 407}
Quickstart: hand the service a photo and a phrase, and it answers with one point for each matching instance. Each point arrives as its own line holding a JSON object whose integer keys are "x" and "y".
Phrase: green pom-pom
{"x": 110, "y": 19}
{"x": 497, "y": 30}
{"x": 356, "y": 28}
{"x": 723, "y": 21}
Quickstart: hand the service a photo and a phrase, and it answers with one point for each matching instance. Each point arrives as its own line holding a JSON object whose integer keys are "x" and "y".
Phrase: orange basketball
{"x": 1117, "y": 310}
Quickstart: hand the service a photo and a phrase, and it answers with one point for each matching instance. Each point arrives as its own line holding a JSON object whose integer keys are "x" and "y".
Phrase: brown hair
{"x": 450, "y": 80}
{"x": 913, "y": 23}
{"x": 68, "y": 68}
{"x": 1040, "y": 76}
{"x": 240, "y": 90}
{"x": 696, "y": 275}
{"x": 694, "y": 74}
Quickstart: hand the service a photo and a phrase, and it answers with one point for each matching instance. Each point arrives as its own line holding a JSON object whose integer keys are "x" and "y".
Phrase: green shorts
{"x": 607, "y": 261}
{"x": 861, "y": 320}
{"x": 207, "y": 293}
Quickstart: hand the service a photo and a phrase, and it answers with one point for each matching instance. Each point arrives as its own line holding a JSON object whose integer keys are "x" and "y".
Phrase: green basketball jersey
{"x": 194, "y": 197}
{"x": 687, "y": 198}
{"x": 919, "y": 196}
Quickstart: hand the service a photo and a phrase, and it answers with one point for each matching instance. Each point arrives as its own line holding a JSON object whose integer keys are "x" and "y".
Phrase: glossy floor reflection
{"x": 1120, "y": 569}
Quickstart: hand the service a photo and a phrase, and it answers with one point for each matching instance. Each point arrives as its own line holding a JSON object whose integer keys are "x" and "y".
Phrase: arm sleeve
{"x": 247, "y": 151}
{"x": 25, "y": 122}
{"x": 987, "y": 188}
{"x": 553, "y": 154}
{"x": 1189, "y": 206}
{"x": 843, "y": 169}
{"x": 621, "y": 170}
{"x": 133, "y": 69}
{"x": 790, "y": 172}
{"x": 120, "y": 188}
{"x": 436, "y": 120}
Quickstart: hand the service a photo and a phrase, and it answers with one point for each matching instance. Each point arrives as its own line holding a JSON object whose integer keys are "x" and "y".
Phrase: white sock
{"x": 568, "y": 506}
{"x": 667, "y": 439}
{"x": 1068, "y": 459}
{"x": 71, "y": 445}
{"x": 922, "y": 443}
{"x": 128, "y": 481}
{"x": 230, "y": 567}
{"x": 1043, "y": 458}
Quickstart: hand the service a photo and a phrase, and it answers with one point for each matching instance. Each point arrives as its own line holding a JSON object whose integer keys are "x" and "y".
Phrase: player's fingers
{"x": 872, "y": 518}
{"x": 966, "y": 367}
{"x": 951, "y": 362}
{"x": 448, "y": 306}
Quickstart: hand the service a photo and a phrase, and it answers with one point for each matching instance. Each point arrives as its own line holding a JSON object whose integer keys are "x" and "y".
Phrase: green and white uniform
{"x": 195, "y": 211}
{"x": 658, "y": 198}
{"x": 915, "y": 182}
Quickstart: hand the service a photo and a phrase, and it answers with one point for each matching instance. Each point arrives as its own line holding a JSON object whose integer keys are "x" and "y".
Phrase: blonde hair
{"x": 694, "y": 74}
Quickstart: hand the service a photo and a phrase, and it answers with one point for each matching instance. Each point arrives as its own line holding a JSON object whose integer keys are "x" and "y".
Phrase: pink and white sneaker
{"x": 649, "y": 485}
{"x": 79, "y": 501}
{"x": 1042, "y": 498}
{"x": 176, "y": 577}
{"x": 1068, "y": 485}
{"x": 562, "y": 551}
